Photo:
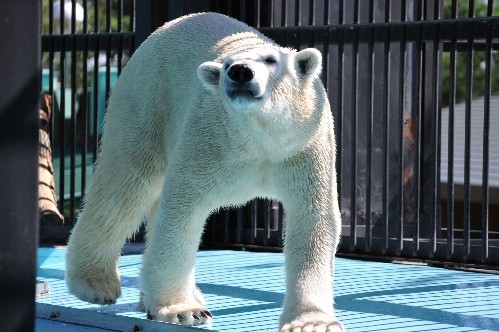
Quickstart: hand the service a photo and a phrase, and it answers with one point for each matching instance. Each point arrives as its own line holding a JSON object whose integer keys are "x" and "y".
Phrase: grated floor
{"x": 245, "y": 290}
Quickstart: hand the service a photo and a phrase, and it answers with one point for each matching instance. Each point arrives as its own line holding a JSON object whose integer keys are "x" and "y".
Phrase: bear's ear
{"x": 209, "y": 74}
{"x": 308, "y": 62}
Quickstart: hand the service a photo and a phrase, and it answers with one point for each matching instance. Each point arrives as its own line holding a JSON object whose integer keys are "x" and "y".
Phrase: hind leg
{"x": 115, "y": 204}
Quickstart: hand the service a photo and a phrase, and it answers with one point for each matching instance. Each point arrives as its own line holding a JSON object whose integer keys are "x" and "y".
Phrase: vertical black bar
{"x": 274, "y": 215}
{"x": 268, "y": 12}
{"x": 51, "y": 72}
{"x": 119, "y": 9}
{"x": 226, "y": 221}
{"x": 417, "y": 106}
{"x": 20, "y": 31}
{"x": 253, "y": 220}
{"x": 108, "y": 69}
{"x": 95, "y": 93}
{"x": 386, "y": 162}
{"x": 339, "y": 102}
{"x": 95, "y": 124}
{"x": 84, "y": 111}
{"x": 467, "y": 144}
{"x": 353, "y": 143}
{"x": 323, "y": 37}
{"x": 370, "y": 125}
{"x": 486, "y": 130}
{"x": 51, "y": 17}
{"x": 143, "y": 21}
{"x": 311, "y": 11}
{"x": 281, "y": 226}
{"x": 72, "y": 135}
{"x": 119, "y": 44}
{"x": 341, "y": 13}
{"x": 256, "y": 12}
{"x": 450, "y": 156}
{"x": 85, "y": 16}
{"x": 297, "y": 12}
{"x": 326, "y": 12}
{"x": 119, "y": 52}
{"x": 84, "y": 100}
{"x": 132, "y": 12}
{"x": 108, "y": 16}
{"x": 96, "y": 16}
{"x": 435, "y": 139}
{"x": 239, "y": 232}
{"x": 402, "y": 124}
{"x": 284, "y": 16}
{"x": 490, "y": 8}
{"x": 213, "y": 228}
{"x": 243, "y": 13}
{"x": 431, "y": 130}
{"x": 73, "y": 16}
{"x": 62, "y": 124}
{"x": 108, "y": 51}
{"x": 471, "y": 8}
{"x": 266, "y": 222}
{"x": 62, "y": 18}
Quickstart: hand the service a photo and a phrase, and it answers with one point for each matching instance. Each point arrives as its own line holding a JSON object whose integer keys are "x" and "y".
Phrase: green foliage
{"x": 461, "y": 58}
{"x": 478, "y": 81}
{"x": 463, "y": 9}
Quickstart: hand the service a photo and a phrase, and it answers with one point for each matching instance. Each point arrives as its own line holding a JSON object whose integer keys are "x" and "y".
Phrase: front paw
{"x": 187, "y": 314}
{"x": 317, "y": 322}
{"x": 98, "y": 290}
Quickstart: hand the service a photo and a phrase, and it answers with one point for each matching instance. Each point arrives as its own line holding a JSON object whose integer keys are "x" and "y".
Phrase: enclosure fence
{"x": 413, "y": 92}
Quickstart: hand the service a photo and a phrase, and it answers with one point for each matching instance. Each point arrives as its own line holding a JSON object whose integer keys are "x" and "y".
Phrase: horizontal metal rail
{"x": 89, "y": 42}
{"x": 424, "y": 31}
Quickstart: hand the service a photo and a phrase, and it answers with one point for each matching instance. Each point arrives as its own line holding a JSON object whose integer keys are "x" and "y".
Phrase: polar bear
{"x": 209, "y": 113}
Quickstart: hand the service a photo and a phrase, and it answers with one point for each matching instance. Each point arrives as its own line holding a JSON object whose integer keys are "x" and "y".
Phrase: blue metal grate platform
{"x": 245, "y": 290}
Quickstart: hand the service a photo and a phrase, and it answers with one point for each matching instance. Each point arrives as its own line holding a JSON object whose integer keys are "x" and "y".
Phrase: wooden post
{"x": 47, "y": 199}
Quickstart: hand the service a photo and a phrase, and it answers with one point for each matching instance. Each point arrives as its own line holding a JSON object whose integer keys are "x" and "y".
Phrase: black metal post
{"x": 19, "y": 99}
{"x": 143, "y": 23}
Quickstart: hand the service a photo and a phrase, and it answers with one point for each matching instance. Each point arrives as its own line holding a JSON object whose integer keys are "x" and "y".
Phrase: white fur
{"x": 179, "y": 144}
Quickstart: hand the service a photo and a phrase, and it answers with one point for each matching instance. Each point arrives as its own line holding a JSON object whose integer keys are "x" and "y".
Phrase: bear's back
{"x": 208, "y": 37}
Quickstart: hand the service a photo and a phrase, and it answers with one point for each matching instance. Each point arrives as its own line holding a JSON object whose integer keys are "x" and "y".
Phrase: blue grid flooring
{"x": 245, "y": 290}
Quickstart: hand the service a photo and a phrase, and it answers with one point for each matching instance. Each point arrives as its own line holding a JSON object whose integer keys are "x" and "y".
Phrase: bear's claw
{"x": 313, "y": 322}
{"x": 206, "y": 314}
{"x": 182, "y": 314}
{"x": 313, "y": 327}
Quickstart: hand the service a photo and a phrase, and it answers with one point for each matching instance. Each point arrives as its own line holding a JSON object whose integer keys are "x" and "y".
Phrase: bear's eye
{"x": 270, "y": 60}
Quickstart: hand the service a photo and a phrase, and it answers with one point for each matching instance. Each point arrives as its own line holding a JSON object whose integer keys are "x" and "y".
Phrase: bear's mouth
{"x": 243, "y": 93}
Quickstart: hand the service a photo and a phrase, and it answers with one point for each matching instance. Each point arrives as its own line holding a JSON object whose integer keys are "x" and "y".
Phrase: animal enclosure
{"x": 413, "y": 94}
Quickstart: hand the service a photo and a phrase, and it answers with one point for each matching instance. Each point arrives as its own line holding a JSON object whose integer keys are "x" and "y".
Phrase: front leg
{"x": 312, "y": 235}
{"x": 167, "y": 277}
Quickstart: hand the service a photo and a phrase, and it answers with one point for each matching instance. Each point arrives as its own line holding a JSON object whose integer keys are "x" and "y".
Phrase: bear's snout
{"x": 242, "y": 81}
{"x": 240, "y": 73}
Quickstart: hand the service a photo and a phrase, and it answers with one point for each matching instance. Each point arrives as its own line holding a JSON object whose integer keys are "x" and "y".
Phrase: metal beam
{"x": 19, "y": 99}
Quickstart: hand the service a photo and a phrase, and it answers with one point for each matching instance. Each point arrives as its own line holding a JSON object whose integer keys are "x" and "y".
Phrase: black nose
{"x": 240, "y": 73}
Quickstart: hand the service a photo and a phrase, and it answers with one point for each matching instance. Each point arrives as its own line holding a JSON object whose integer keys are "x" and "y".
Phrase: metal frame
{"x": 19, "y": 122}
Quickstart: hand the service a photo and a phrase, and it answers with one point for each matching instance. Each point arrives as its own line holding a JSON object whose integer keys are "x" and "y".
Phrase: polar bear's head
{"x": 249, "y": 80}
{"x": 273, "y": 99}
